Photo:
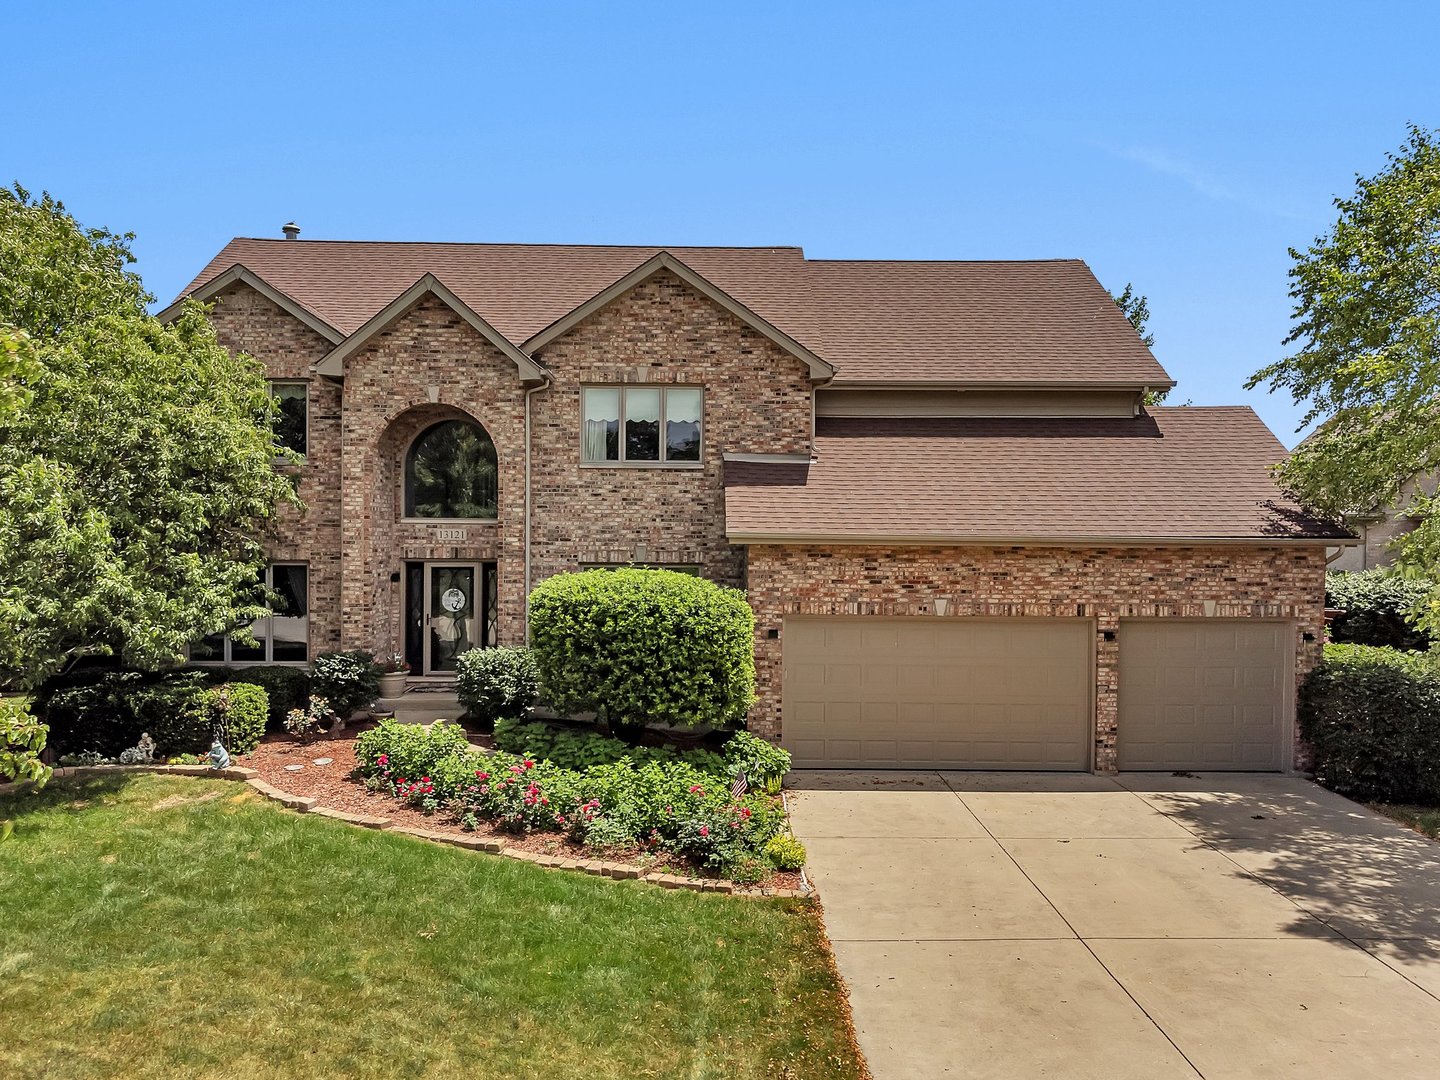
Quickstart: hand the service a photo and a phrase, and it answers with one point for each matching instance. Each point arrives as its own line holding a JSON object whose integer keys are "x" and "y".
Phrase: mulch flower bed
{"x": 334, "y": 785}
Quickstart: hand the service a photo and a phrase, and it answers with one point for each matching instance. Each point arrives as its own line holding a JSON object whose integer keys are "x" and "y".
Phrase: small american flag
{"x": 740, "y": 787}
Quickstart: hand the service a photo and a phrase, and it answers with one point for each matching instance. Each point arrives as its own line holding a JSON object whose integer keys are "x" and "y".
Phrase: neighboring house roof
{"x": 1182, "y": 474}
{"x": 1043, "y": 322}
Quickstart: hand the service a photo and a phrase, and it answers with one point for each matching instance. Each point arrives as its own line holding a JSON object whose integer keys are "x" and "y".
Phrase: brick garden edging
{"x": 304, "y": 804}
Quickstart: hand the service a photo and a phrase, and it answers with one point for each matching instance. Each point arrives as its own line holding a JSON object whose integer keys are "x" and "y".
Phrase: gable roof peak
{"x": 333, "y": 364}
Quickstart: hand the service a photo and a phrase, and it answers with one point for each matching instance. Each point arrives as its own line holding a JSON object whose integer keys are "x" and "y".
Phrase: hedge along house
{"x": 967, "y": 540}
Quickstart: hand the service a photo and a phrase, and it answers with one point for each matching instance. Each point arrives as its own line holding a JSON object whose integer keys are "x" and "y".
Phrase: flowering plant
{"x": 394, "y": 664}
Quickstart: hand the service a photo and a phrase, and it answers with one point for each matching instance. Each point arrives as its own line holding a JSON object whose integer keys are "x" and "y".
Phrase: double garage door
{"x": 870, "y": 692}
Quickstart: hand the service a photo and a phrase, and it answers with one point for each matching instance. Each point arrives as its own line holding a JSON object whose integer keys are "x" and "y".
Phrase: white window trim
{"x": 271, "y": 384}
{"x": 622, "y": 463}
{"x": 223, "y": 660}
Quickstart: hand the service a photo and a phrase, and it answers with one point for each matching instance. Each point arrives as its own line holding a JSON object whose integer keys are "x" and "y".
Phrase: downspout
{"x": 525, "y": 620}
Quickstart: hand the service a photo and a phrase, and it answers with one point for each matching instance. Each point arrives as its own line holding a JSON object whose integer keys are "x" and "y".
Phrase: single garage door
{"x": 1209, "y": 694}
{"x": 928, "y": 692}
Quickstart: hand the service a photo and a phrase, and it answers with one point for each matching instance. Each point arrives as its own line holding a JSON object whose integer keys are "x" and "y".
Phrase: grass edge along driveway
{"x": 155, "y": 925}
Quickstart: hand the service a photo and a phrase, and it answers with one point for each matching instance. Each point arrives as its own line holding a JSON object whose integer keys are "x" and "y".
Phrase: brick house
{"x": 967, "y": 541}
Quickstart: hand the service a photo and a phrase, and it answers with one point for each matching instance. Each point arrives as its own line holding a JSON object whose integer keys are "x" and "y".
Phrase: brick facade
{"x": 246, "y": 321}
{"x": 429, "y": 365}
{"x": 1103, "y": 584}
{"x": 757, "y": 400}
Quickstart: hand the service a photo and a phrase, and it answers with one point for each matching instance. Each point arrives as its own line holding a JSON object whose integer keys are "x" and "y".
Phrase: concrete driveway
{"x": 1037, "y": 925}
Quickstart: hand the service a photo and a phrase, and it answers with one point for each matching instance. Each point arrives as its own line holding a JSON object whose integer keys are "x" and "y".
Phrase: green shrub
{"x": 107, "y": 712}
{"x": 177, "y": 713}
{"x": 91, "y": 712}
{"x": 240, "y": 711}
{"x": 410, "y": 751}
{"x": 286, "y": 687}
{"x": 347, "y": 680}
{"x": 1376, "y": 607}
{"x": 623, "y": 804}
{"x": 785, "y": 852}
{"x": 581, "y": 748}
{"x": 22, "y": 738}
{"x": 641, "y": 646}
{"x": 763, "y": 764}
{"x": 1372, "y": 717}
{"x": 496, "y": 684}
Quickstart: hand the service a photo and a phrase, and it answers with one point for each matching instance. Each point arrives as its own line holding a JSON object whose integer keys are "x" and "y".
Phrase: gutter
{"x": 942, "y": 540}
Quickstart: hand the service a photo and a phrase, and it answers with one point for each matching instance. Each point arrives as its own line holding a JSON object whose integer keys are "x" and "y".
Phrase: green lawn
{"x": 158, "y": 926}
{"x": 1425, "y": 819}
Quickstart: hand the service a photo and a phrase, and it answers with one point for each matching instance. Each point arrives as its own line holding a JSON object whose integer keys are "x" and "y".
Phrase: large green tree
{"x": 1367, "y": 360}
{"x": 136, "y": 458}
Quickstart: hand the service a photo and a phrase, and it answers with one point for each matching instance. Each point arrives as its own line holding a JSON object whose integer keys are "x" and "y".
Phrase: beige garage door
{"x": 933, "y": 692}
{"x": 1209, "y": 694}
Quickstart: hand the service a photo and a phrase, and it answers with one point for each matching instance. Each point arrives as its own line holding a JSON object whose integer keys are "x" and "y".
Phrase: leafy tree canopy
{"x": 136, "y": 458}
{"x": 1367, "y": 358}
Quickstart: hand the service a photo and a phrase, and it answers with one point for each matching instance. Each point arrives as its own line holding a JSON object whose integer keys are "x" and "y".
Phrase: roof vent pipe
{"x": 291, "y": 230}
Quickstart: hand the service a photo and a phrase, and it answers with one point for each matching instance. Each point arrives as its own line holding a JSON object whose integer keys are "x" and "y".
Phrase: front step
{"x": 422, "y": 706}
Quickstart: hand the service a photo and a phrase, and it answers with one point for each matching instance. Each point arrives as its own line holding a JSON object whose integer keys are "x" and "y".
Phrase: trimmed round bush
{"x": 784, "y": 852}
{"x": 286, "y": 688}
{"x": 1375, "y": 607}
{"x": 240, "y": 710}
{"x": 496, "y": 684}
{"x": 1372, "y": 717}
{"x": 644, "y": 646}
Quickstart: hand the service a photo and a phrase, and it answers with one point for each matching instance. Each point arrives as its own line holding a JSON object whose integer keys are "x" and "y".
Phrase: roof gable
{"x": 334, "y": 362}
{"x": 664, "y": 262}
{"x": 239, "y": 274}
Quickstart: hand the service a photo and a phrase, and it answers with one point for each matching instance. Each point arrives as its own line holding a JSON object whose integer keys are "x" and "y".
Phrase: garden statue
{"x": 218, "y": 757}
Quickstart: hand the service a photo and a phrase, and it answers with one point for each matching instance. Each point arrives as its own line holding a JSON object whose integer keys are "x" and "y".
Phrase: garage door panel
{"x": 948, "y": 693}
{"x": 1207, "y": 695}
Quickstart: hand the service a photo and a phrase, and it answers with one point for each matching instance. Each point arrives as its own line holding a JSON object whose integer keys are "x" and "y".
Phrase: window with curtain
{"x": 641, "y": 425}
{"x": 451, "y": 472}
{"x": 282, "y": 637}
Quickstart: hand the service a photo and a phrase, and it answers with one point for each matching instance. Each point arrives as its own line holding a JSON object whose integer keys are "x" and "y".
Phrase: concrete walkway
{"x": 1041, "y": 925}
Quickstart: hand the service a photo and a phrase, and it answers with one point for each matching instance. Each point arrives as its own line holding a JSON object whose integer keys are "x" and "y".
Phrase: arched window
{"x": 450, "y": 472}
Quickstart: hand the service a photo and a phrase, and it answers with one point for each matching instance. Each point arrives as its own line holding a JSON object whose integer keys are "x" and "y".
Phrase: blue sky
{"x": 1181, "y": 147}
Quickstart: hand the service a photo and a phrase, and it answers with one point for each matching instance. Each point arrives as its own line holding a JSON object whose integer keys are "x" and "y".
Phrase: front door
{"x": 452, "y": 625}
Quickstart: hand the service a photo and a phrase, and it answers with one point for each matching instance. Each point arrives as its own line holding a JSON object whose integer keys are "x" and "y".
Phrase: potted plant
{"x": 393, "y": 670}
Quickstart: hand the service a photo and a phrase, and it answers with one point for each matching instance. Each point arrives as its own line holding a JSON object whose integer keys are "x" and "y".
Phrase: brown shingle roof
{"x": 1178, "y": 474}
{"x": 1045, "y": 321}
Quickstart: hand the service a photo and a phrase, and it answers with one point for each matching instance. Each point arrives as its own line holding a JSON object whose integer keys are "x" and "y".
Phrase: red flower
{"x": 704, "y": 830}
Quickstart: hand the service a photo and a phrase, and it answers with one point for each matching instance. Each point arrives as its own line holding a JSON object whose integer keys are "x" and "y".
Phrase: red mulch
{"x": 333, "y": 785}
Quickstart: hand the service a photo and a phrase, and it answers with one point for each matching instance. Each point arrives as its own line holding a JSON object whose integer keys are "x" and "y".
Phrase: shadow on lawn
{"x": 69, "y": 794}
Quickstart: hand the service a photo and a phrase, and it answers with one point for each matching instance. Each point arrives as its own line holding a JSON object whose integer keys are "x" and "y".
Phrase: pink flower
{"x": 529, "y": 764}
{"x": 697, "y": 790}
{"x": 482, "y": 775}
{"x": 704, "y": 830}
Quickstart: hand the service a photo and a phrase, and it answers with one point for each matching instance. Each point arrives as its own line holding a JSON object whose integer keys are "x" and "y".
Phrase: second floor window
{"x": 452, "y": 471}
{"x": 641, "y": 424}
{"x": 292, "y": 426}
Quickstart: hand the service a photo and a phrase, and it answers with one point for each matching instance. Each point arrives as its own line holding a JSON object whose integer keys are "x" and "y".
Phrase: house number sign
{"x": 450, "y": 534}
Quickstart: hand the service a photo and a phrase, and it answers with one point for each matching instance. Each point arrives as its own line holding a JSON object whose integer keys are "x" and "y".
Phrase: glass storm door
{"x": 451, "y": 623}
